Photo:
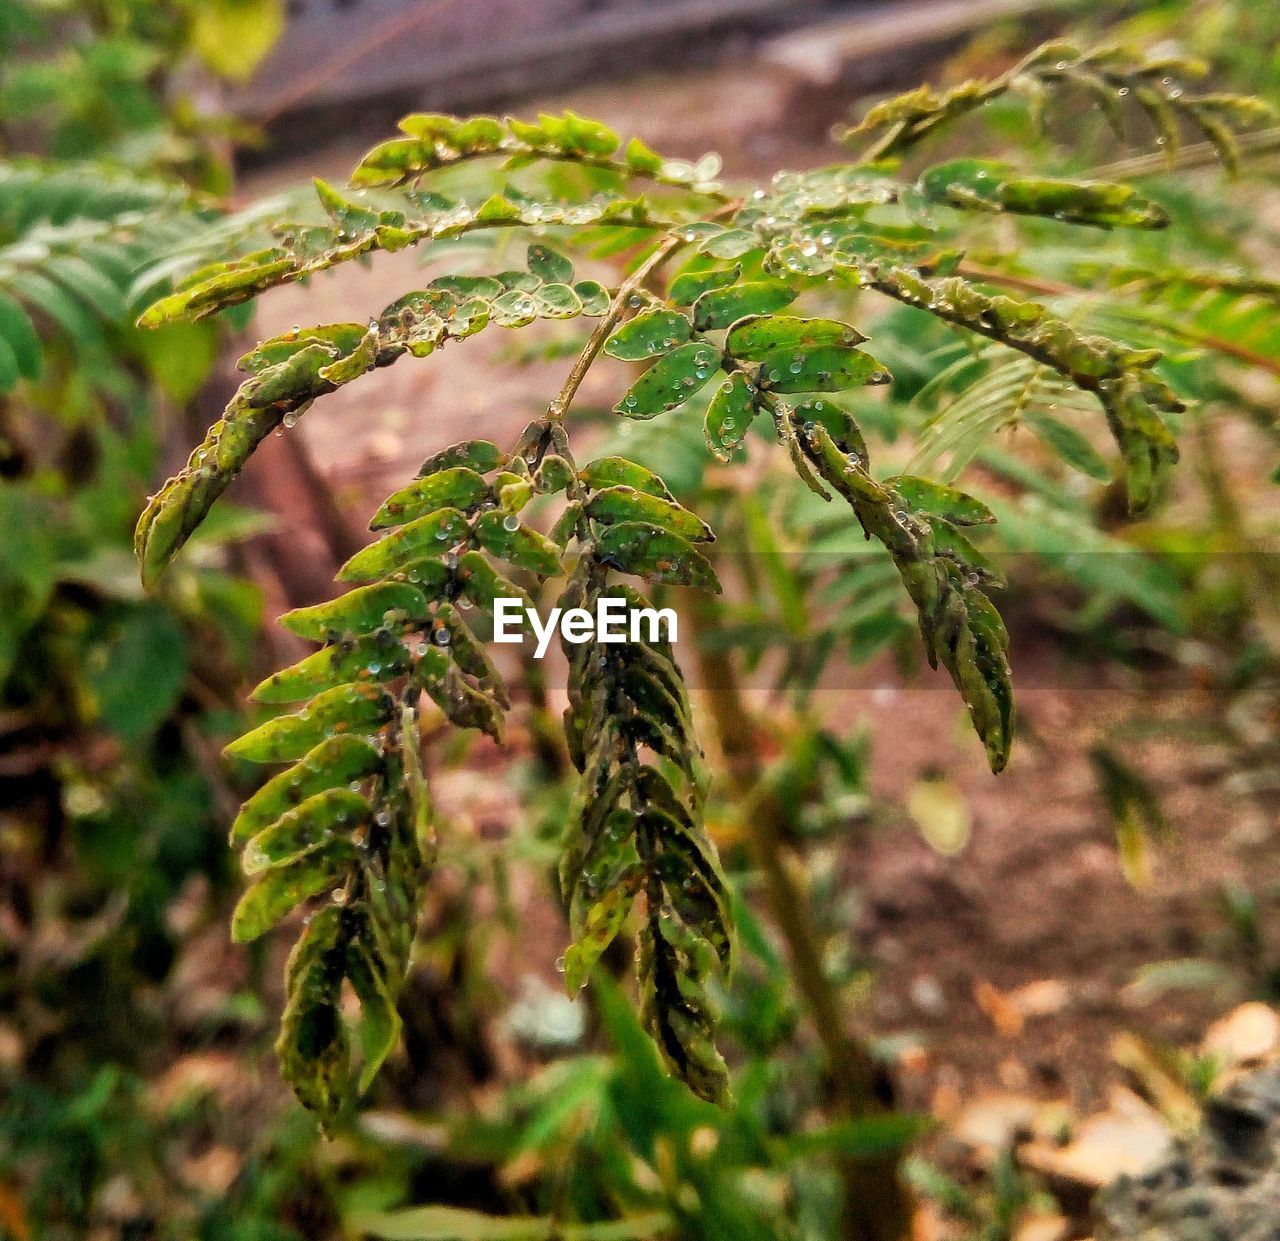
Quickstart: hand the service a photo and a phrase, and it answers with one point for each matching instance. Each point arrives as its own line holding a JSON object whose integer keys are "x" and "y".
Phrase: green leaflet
{"x": 549, "y": 265}
{"x": 18, "y": 336}
{"x": 379, "y": 1021}
{"x": 482, "y": 583}
{"x": 730, "y": 243}
{"x": 670, "y": 381}
{"x": 462, "y": 703}
{"x": 949, "y": 542}
{"x": 821, "y": 368}
{"x": 650, "y": 334}
{"x": 647, "y": 551}
{"x": 235, "y": 281}
{"x": 520, "y": 545}
{"x": 729, "y": 415}
{"x": 554, "y": 474}
{"x": 309, "y": 824}
{"x": 457, "y": 487}
{"x": 1100, "y": 204}
{"x": 380, "y": 656}
{"x": 594, "y": 925}
{"x": 617, "y": 504}
{"x": 359, "y": 611}
{"x": 557, "y": 301}
{"x": 988, "y": 185}
{"x": 924, "y": 496}
{"x": 691, "y": 284}
{"x": 340, "y": 338}
{"x": 678, "y": 1018}
{"x": 718, "y": 308}
{"x": 758, "y": 336}
{"x": 434, "y": 533}
{"x": 844, "y": 431}
{"x": 468, "y": 652}
{"x": 1069, "y": 444}
{"x": 182, "y": 503}
{"x": 981, "y": 671}
{"x": 357, "y": 709}
{"x": 415, "y": 783}
{"x": 313, "y": 1044}
{"x": 280, "y": 889}
{"x": 334, "y": 763}
{"x": 618, "y": 472}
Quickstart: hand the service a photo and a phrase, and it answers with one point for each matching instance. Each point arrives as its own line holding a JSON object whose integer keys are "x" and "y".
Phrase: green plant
{"x": 113, "y": 703}
{"x": 350, "y": 818}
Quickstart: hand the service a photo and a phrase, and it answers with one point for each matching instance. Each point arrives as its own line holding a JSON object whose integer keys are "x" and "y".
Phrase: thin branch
{"x": 1051, "y": 288}
{"x": 631, "y": 286}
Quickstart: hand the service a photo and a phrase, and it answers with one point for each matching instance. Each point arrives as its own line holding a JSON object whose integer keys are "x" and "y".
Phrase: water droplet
{"x": 511, "y": 522}
{"x": 560, "y": 965}
{"x": 441, "y": 636}
{"x": 339, "y": 896}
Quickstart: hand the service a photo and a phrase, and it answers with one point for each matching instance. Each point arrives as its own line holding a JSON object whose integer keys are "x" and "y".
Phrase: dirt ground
{"x": 1038, "y": 895}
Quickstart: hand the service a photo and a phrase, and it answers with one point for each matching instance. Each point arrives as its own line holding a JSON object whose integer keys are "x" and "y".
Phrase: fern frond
{"x": 1010, "y": 391}
{"x": 70, "y": 240}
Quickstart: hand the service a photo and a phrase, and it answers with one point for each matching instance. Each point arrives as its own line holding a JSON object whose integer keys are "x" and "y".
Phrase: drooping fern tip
{"x": 733, "y": 306}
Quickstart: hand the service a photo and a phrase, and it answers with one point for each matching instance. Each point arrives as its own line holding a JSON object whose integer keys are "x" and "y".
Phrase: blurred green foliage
{"x": 126, "y": 1113}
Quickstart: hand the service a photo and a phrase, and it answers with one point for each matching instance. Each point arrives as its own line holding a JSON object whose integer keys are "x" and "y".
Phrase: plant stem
{"x": 632, "y": 285}
{"x": 1052, "y": 288}
{"x": 877, "y": 1204}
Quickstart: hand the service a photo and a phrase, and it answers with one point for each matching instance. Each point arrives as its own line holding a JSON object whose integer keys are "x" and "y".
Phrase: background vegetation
{"x": 140, "y": 1090}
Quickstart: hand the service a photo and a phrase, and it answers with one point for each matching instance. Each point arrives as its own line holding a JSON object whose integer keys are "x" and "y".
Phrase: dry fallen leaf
{"x": 991, "y": 1123}
{"x": 1158, "y": 1072}
{"x": 1052, "y": 1227}
{"x": 1009, "y": 1011}
{"x": 1246, "y": 1035}
{"x": 998, "y": 1008}
{"x": 941, "y": 813}
{"x": 1128, "y": 1137}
